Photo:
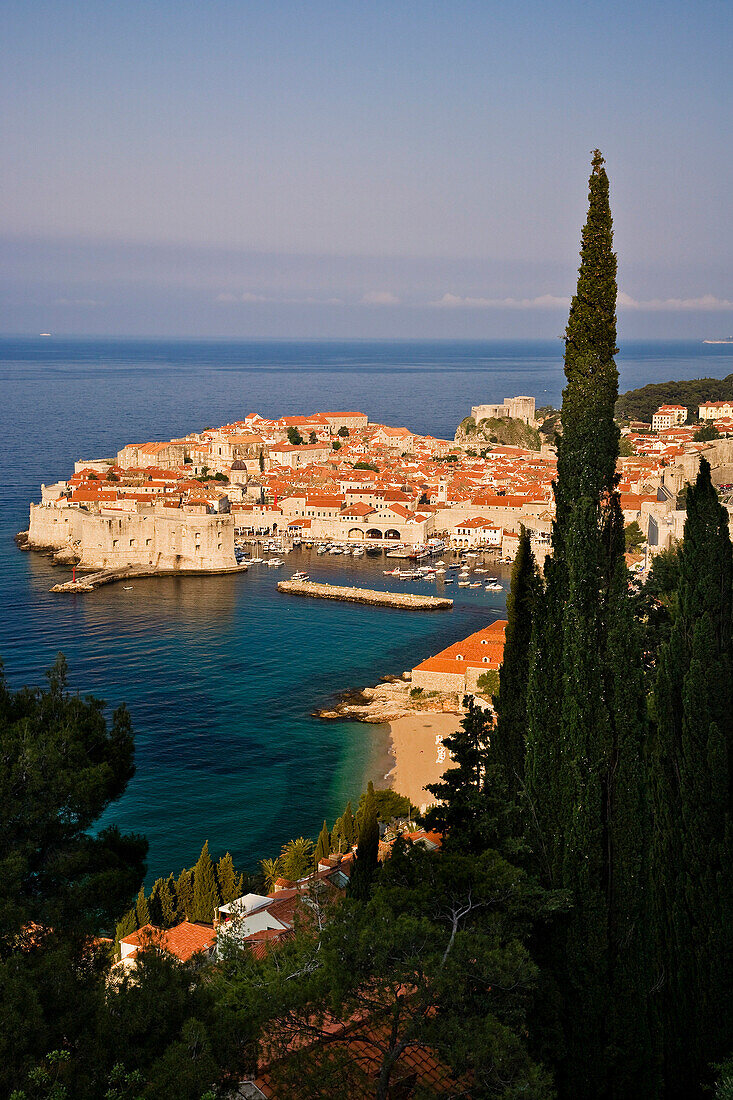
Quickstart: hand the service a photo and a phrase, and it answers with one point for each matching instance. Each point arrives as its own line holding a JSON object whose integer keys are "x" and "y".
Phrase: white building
{"x": 668, "y": 416}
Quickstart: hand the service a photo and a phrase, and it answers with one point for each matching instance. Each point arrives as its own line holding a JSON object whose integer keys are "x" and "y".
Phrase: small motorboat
{"x": 464, "y": 584}
{"x": 299, "y": 576}
{"x": 448, "y": 580}
{"x": 494, "y": 587}
{"x": 475, "y": 584}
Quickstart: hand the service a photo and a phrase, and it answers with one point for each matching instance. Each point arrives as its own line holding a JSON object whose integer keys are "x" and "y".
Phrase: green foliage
{"x": 692, "y": 755}
{"x": 449, "y": 929}
{"x": 365, "y": 869}
{"x": 415, "y": 692}
{"x": 625, "y": 448}
{"x": 633, "y": 537}
{"x": 585, "y": 806}
{"x": 271, "y": 870}
{"x": 111, "y": 476}
{"x": 488, "y": 683}
{"x": 312, "y": 438}
{"x": 296, "y": 858}
{"x": 349, "y": 825}
{"x": 261, "y": 460}
{"x": 344, "y": 432}
{"x": 142, "y": 912}
{"x": 206, "y": 898}
{"x": 366, "y": 466}
{"x": 294, "y": 437}
{"x": 724, "y": 1082}
{"x": 389, "y": 803}
{"x": 323, "y": 845}
{"x": 706, "y": 433}
{"x": 229, "y": 882}
{"x": 511, "y": 705}
{"x": 641, "y": 404}
{"x": 184, "y": 894}
{"x": 335, "y": 446}
{"x": 61, "y": 880}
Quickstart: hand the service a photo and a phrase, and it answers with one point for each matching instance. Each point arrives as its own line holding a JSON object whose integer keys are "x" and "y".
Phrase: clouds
{"x": 707, "y": 303}
{"x": 380, "y": 298}
{"x": 544, "y": 301}
{"x": 248, "y": 298}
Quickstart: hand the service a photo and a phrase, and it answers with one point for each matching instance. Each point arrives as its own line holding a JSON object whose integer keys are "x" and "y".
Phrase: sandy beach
{"x": 418, "y": 752}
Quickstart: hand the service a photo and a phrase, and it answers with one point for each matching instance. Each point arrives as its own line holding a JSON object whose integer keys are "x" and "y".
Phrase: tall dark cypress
{"x": 692, "y": 756}
{"x": 586, "y": 807}
{"x": 508, "y": 739}
{"x": 367, "y": 852}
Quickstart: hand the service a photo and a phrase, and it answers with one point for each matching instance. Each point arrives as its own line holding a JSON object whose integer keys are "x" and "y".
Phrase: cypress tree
{"x": 367, "y": 851}
{"x": 323, "y": 845}
{"x": 511, "y": 728}
{"x": 205, "y": 891}
{"x": 338, "y": 836}
{"x": 184, "y": 894}
{"x": 349, "y": 827}
{"x": 155, "y": 905}
{"x": 692, "y": 754}
{"x": 124, "y": 927}
{"x": 142, "y": 909}
{"x": 230, "y": 884}
{"x": 169, "y": 903}
{"x": 586, "y": 807}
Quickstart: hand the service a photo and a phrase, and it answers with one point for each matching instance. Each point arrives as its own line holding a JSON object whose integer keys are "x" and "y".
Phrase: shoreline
{"x": 419, "y": 758}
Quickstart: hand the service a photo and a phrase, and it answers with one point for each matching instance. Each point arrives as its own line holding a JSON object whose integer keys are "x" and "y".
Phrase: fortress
{"x": 158, "y": 536}
{"x": 515, "y": 408}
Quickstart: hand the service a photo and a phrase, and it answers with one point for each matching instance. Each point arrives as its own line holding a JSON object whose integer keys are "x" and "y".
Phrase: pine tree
{"x": 461, "y": 811}
{"x": 586, "y": 807}
{"x": 349, "y": 827}
{"x": 510, "y": 734}
{"x": 323, "y": 845}
{"x": 367, "y": 851}
{"x": 692, "y": 754}
{"x": 142, "y": 909}
{"x": 229, "y": 882}
{"x": 206, "y": 897}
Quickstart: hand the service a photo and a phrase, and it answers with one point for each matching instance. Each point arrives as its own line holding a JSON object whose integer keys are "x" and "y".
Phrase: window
{"x": 114, "y": 543}
{"x": 133, "y": 542}
{"x": 148, "y": 541}
{"x": 459, "y": 656}
{"x": 485, "y": 660}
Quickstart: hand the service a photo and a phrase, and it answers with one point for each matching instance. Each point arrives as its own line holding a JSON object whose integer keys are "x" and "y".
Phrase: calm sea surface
{"x": 221, "y": 674}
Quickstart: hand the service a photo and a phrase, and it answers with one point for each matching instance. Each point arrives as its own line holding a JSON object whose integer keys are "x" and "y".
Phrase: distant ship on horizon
{"x": 725, "y": 340}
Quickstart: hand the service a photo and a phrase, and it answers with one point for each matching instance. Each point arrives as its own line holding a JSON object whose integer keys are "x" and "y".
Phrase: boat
{"x": 440, "y": 571}
{"x": 391, "y": 572}
{"x": 475, "y": 584}
{"x": 494, "y": 587}
{"x": 299, "y": 576}
{"x": 441, "y": 562}
{"x": 464, "y": 584}
{"x": 256, "y": 561}
{"x": 448, "y": 580}
{"x": 725, "y": 340}
{"x": 126, "y": 587}
{"x": 276, "y": 562}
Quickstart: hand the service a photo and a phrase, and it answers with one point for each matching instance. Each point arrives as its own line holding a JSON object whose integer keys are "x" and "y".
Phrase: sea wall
{"x": 154, "y": 538}
{"x": 405, "y": 600}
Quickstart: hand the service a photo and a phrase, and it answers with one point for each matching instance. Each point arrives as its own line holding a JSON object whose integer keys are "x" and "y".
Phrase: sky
{"x": 360, "y": 169}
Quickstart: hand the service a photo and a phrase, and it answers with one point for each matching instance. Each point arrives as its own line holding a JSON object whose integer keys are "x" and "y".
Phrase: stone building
{"x": 515, "y": 408}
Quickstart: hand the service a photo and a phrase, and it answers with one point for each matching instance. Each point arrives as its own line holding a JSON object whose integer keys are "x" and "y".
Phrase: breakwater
{"x": 405, "y": 600}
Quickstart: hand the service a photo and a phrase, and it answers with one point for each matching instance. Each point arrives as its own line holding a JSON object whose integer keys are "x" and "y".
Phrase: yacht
{"x": 495, "y": 587}
{"x": 299, "y": 576}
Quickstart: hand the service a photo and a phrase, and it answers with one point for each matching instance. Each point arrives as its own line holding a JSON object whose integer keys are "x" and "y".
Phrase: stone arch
{"x": 356, "y": 533}
{"x": 374, "y": 533}
{"x": 392, "y": 534}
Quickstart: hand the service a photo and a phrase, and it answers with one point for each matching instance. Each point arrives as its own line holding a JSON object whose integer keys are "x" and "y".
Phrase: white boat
{"x": 448, "y": 580}
{"x": 475, "y": 584}
{"x": 300, "y": 576}
{"x": 494, "y": 587}
{"x": 464, "y": 584}
{"x": 256, "y": 561}
{"x": 441, "y": 562}
{"x": 276, "y": 562}
{"x": 391, "y": 572}
{"x": 440, "y": 571}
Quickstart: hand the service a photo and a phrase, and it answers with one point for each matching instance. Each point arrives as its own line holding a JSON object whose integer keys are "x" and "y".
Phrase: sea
{"x": 221, "y": 674}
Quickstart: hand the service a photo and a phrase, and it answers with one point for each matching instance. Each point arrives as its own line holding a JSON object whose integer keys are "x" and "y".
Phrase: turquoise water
{"x": 221, "y": 673}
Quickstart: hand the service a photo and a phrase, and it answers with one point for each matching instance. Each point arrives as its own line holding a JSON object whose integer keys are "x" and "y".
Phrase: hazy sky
{"x": 360, "y": 168}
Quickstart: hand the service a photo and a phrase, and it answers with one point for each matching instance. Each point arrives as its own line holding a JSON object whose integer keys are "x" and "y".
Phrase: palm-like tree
{"x": 296, "y": 858}
{"x": 271, "y": 870}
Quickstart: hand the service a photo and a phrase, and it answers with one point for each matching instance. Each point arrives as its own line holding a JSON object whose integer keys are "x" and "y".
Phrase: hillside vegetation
{"x": 641, "y": 404}
{"x": 505, "y": 431}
